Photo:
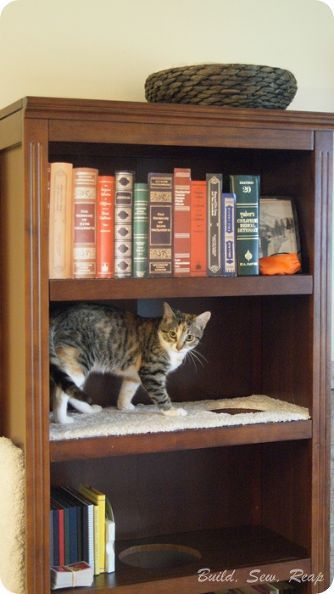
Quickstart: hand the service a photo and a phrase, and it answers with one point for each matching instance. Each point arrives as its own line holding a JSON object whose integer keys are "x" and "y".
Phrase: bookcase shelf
{"x": 99, "y": 447}
{"x": 95, "y": 289}
{"x": 237, "y": 552}
{"x": 246, "y": 497}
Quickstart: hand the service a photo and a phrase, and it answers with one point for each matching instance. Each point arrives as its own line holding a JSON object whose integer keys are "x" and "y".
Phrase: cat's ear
{"x": 203, "y": 319}
{"x": 169, "y": 315}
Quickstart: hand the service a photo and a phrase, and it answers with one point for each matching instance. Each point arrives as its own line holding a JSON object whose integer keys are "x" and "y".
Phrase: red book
{"x": 182, "y": 188}
{"x": 84, "y": 222}
{"x": 105, "y": 226}
{"x": 198, "y": 258}
{"x": 61, "y": 530}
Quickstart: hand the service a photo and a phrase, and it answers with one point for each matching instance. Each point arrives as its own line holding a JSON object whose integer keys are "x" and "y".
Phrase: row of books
{"x": 82, "y": 529}
{"x": 112, "y": 226}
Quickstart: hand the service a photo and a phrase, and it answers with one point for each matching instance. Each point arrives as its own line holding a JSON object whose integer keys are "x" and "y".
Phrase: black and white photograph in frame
{"x": 278, "y": 226}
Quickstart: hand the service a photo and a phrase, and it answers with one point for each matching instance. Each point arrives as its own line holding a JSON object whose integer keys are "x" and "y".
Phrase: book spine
{"x": 247, "y": 190}
{"x": 61, "y": 535}
{"x": 160, "y": 224}
{"x": 123, "y": 223}
{"x": 97, "y": 568}
{"x": 105, "y": 226}
{"x": 229, "y": 264}
{"x": 214, "y": 193}
{"x": 60, "y": 220}
{"x": 140, "y": 229}
{"x": 54, "y": 549}
{"x": 100, "y": 500}
{"x": 84, "y": 222}
{"x": 198, "y": 234}
{"x": 181, "y": 212}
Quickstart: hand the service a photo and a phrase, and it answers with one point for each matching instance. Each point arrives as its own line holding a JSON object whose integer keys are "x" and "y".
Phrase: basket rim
{"x": 221, "y": 66}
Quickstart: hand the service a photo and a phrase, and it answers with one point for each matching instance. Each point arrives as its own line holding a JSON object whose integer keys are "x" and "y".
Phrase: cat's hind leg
{"x": 78, "y": 403}
{"x": 60, "y": 401}
{"x": 68, "y": 389}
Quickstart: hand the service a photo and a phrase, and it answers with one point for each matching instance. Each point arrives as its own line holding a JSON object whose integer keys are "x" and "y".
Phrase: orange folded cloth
{"x": 280, "y": 264}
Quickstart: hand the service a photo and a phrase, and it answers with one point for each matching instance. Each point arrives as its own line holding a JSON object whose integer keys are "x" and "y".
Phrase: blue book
{"x": 228, "y": 243}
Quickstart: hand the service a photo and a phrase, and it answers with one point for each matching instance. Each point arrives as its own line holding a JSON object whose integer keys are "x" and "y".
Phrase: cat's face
{"x": 181, "y": 332}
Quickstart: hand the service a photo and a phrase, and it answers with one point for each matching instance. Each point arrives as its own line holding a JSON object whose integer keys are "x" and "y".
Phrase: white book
{"x": 110, "y": 538}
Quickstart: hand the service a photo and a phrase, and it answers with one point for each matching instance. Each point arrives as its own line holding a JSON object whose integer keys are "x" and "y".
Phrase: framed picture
{"x": 278, "y": 226}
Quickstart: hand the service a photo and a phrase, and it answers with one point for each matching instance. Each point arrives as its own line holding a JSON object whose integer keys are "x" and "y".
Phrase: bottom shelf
{"x": 234, "y": 557}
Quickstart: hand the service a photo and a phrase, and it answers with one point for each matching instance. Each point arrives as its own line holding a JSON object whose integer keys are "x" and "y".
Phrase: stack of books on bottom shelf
{"x": 82, "y": 529}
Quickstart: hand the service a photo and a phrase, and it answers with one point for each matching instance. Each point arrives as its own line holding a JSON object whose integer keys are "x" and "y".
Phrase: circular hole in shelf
{"x": 159, "y": 556}
{"x": 235, "y": 411}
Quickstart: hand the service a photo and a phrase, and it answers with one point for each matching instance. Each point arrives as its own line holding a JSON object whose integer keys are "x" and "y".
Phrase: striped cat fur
{"x": 88, "y": 338}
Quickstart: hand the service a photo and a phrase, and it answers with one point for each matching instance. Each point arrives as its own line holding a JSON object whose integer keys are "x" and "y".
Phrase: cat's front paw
{"x": 174, "y": 412}
{"x": 126, "y": 407}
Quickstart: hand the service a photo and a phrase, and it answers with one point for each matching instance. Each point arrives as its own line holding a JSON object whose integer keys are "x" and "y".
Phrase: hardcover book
{"x": 105, "y": 226}
{"x": 140, "y": 230}
{"x": 60, "y": 220}
{"x": 84, "y": 222}
{"x": 229, "y": 264}
{"x": 181, "y": 203}
{"x": 160, "y": 224}
{"x": 214, "y": 194}
{"x": 124, "y": 181}
{"x": 198, "y": 234}
{"x": 247, "y": 190}
{"x": 99, "y": 499}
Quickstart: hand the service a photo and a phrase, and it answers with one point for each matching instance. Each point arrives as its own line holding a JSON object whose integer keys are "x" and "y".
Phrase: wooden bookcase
{"x": 245, "y": 497}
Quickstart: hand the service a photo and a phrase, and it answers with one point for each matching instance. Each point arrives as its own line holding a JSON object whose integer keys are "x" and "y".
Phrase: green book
{"x": 140, "y": 230}
{"x": 247, "y": 191}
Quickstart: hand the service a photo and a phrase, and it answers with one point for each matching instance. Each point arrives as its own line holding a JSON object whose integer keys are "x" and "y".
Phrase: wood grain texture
{"x": 36, "y": 345}
{"x": 100, "y": 447}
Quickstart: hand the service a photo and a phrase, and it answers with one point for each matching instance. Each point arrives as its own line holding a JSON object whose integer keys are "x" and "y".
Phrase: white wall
{"x": 106, "y": 48}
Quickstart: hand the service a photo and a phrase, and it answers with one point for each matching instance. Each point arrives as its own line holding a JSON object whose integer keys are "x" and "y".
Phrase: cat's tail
{"x": 60, "y": 379}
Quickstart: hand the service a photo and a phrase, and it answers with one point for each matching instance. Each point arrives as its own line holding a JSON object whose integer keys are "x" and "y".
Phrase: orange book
{"x": 84, "y": 222}
{"x": 182, "y": 188}
{"x": 105, "y": 226}
{"x": 198, "y": 253}
{"x": 60, "y": 220}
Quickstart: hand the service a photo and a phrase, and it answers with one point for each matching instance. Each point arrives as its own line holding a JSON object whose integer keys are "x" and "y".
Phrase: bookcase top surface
{"x": 46, "y": 107}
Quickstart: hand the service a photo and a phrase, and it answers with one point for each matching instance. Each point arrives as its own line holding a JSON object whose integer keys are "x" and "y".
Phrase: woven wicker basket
{"x": 230, "y": 85}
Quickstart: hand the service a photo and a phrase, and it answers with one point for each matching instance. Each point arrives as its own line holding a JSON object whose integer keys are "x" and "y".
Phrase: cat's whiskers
{"x": 193, "y": 359}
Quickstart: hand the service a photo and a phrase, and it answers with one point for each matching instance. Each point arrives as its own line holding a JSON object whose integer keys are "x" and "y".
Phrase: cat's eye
{"x": 189, "y": 338}
{"x": 172, "y": 334}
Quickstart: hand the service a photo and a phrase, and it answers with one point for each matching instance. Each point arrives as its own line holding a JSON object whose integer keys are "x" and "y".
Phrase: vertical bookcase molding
{"x": 281, "y": 489}
{"x": 322, "y": 286}
{"x": 36, "y": 301}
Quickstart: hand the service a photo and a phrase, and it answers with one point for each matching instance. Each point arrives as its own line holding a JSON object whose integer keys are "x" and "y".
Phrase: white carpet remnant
{"x": 148, "y": 419}
{"x": 12, "y": 525}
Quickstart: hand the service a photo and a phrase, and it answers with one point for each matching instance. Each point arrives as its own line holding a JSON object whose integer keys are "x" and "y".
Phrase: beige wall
{"x": 106, "y": 48}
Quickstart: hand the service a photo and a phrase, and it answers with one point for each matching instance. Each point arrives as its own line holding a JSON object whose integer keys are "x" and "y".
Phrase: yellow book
{"x": 98, "y": 499}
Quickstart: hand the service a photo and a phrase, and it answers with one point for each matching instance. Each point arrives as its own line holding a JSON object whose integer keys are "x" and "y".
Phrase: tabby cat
{"x": 85, "y": 338}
